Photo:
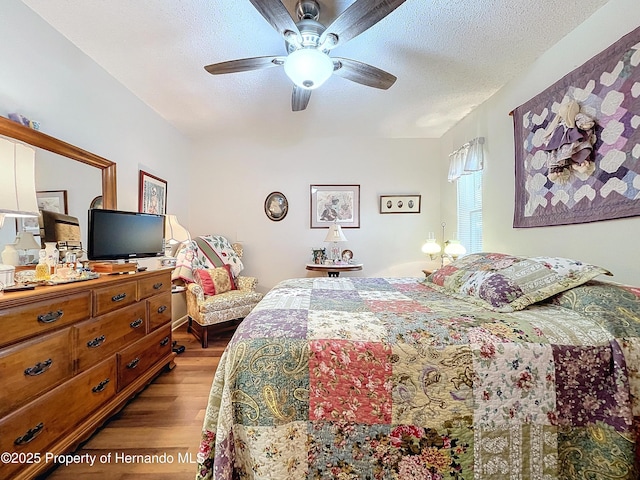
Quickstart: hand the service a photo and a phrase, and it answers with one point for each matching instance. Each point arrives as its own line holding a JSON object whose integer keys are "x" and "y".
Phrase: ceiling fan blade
{"x": 361, "y": 15}
{"x": 244, "y": 64}
{"x": 300, "y": 98}
{"x": 277, "y": 15}
{"x": 362, "y": 73}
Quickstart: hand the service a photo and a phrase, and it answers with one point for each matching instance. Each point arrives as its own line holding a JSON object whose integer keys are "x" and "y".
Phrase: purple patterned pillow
{"x": 506, "y": 283}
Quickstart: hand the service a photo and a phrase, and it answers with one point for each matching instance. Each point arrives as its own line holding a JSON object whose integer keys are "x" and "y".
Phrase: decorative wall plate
{"x": 276, "y": 206}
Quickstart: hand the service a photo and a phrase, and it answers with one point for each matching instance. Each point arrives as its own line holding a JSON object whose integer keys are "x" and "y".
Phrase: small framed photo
{"x": 400, "y": 203}
{"x": 347, "y": 256}
{"x": 276, "y": 206}
{"x": 152, "y": 194}
{"x": 53, "y": 201}
{"x": 335, "y": 203}
{"x": 319, "y": 255}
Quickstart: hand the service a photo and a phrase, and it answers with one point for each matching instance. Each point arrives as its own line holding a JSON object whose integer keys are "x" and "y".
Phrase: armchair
{"x": 219, "y": 312}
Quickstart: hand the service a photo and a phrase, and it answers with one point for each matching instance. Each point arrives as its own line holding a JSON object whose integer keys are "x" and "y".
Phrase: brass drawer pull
{"x": 50, "y": 317}
{"x": 119, "y": 297}
{"x": 164, "y": 341}
{"x": 101, "y": 386}
{"x": 162, "y": 308}
{"x": 133, "y": 363}
{"x": 96, "y": 342}
{"x": 136, "y": 323}
{"x": 157, "y": 286}
{"x": 38, "y": 368}
{"x": 30, "y": 435}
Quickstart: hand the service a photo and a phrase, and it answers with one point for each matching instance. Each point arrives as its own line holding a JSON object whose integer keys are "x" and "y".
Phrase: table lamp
{"x": 335, "y": 235}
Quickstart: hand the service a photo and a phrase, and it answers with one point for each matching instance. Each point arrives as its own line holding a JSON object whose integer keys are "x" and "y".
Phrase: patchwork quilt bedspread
{"x": 386, "y": 378}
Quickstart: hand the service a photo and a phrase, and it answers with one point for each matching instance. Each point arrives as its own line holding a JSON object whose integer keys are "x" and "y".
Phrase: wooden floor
{"x": 165, "y": 418}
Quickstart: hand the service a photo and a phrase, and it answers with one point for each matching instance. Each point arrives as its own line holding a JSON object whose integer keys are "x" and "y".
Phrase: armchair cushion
{"x": 208, "y": 251}
{"x": 215, "y": 281}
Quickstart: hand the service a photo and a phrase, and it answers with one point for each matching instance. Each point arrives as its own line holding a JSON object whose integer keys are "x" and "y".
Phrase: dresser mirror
{"x": 62, "y": 167}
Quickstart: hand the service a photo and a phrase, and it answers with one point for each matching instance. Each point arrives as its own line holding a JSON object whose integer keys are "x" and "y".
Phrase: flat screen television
{"x": 117, "y": 235}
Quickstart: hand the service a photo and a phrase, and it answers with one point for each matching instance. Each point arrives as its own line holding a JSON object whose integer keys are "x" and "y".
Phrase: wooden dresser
{"x": 71, "y": 356}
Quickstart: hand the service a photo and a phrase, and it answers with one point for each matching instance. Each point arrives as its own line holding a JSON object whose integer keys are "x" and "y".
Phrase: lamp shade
{"x": 335, "y": 234}
{"x": 431, "y": 247}
{"x": 173, "y": 231}
{"x": 454, "y": 248}
{"x": 17, "y": 182}
{"x": 308, "y": 67}
{"x": 25, "y": 241}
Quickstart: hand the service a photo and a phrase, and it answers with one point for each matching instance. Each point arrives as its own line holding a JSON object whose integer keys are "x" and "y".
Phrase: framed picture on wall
{"x": 335, "y": 203}
{"x": 400, "y": 203}
{"x": 276, "y": 206}
{"x": 152, "y": 194}
{"x": 53, "y": 200}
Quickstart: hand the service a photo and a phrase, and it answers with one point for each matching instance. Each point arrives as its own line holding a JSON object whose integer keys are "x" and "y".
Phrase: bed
{"x": 494, "y": 367}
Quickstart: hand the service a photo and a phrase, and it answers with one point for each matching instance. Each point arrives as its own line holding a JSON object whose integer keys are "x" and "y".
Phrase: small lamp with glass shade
{"x": 453, "y": 249}
{"x": 431, "y": 247}
{"x": 335, "y": 235}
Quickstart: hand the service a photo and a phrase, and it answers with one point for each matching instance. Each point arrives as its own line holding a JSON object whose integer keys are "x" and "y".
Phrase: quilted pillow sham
{"x": 506, "y": 283}
{"x": 215, "y": 280}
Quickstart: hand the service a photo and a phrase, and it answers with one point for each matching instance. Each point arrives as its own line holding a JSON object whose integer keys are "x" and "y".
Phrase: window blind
{"x": 470, "y": 211}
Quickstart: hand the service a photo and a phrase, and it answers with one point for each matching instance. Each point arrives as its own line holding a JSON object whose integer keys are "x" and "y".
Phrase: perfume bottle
{"x": 42, "y": 268}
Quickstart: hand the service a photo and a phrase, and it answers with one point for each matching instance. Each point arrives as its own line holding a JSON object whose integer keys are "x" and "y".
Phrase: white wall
{"x": 612, "y": 244}
{"x": 235, "y": 176}
{"x": 46, "y": 78}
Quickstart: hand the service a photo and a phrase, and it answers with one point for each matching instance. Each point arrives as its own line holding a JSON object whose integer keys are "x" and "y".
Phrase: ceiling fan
{"x": 308, "y": 44}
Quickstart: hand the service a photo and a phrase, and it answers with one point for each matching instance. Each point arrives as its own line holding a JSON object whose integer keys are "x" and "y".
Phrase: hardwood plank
{"x": 164, "y": 420}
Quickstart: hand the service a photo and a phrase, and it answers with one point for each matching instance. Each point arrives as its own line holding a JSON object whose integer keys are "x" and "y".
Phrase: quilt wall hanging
{"x": 577, "y": 144}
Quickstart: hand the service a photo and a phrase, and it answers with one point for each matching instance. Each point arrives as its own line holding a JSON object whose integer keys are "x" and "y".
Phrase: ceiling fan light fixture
{"x": 308, "y": 67}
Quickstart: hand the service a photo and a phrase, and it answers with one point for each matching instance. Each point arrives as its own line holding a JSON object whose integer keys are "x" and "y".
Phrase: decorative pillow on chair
{"x": 215, "y": 280}
{"x": 506, "y": 283}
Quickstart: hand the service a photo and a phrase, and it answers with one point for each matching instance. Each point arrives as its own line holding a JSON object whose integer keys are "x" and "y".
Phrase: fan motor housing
{"x": 310, "y": 32}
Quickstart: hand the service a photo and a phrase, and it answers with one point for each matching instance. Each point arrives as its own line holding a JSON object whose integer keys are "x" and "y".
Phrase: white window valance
{"x": 468, "y": 158}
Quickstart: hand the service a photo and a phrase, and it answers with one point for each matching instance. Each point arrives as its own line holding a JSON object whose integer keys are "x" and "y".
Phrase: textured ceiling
{"x": 449, "y": 56}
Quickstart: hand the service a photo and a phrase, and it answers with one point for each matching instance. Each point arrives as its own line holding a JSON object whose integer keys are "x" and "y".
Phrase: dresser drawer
{"x": 97, "y": 338}
{"x": 38, "y": 425}
{"x": 159, "y": 310}
{"x": 137, "y": 358}
{"x": 154, "y": 285}
{"x": 110, "y": 298}
{"x": 39, "y": 317}
{"x": 34, "y": 367}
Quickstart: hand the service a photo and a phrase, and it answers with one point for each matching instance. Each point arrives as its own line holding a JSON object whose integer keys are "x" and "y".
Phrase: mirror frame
{"x": 14, "y": 130}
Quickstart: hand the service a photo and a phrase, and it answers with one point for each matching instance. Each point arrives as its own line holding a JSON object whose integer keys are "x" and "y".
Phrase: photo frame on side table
{"x": 400, "y": 203}
{"x": 152, "y": 194}
{"x": 335, "y": 203}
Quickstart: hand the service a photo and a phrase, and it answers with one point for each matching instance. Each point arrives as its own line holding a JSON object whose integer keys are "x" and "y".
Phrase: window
{"x": 470, "y": 211}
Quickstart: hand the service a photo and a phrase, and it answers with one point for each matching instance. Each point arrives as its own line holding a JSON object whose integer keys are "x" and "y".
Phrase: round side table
{"x": 334, "y": 270}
